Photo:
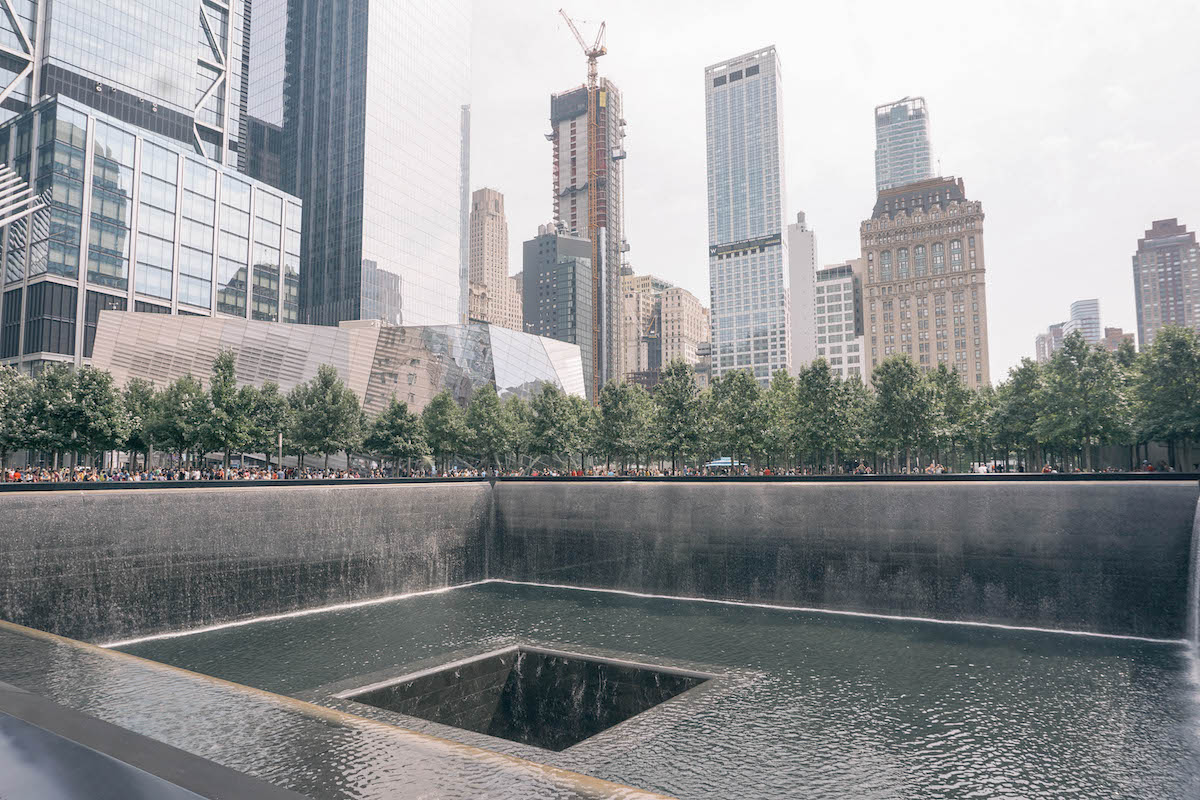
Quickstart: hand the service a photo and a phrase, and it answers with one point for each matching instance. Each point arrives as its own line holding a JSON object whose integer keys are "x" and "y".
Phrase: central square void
{"x": 545, "y": 698}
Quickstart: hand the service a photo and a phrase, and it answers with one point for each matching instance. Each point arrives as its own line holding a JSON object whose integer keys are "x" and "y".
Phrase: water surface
{"x": 806, "y": 706}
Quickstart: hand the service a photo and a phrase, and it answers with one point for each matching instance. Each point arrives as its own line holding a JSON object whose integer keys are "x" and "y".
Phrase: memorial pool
{"x": 803, "y": 704}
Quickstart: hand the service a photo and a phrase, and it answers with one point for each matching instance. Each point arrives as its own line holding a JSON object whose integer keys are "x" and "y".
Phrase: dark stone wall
{"x": 104, "y": 565}
{"x": 1107, "y": 557}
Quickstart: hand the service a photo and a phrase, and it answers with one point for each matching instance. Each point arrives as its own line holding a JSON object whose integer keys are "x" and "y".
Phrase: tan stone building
{"x": 492, "y": 295}
{"x": 685, "y": 324}
{"x": 925, "y": 279}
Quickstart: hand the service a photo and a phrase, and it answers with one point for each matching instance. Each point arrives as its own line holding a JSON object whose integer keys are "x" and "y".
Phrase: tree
{"x": 677, "y": 412}
{"x": 487, "y": 431}
{"x": 326, "y": 415}
{"x": 623, "y": 423}
{"x": 269, "y": 418}
{"x": 227, "y": 427}
{"x": 518, "y": 422}
{"x": 902, "y": 404}
{"x": 177, "y": 416}
{"x": 1080, "y": 398}
{"x": 445, "y": 427}
{"x": 398, "y": 434}
{"x": 1169, "y": 389}
{"x": 820, "y": 420}
{"x": 949, "y": 411}
{"x": 138, "y": 398}
{"x": 781, "y": 416}
{"x": 585, "y": 418}
{"x": 553, "y": 427}
{"x": 51, "y": 414}
{"x": 737, "y": 415}
{"x": 852, "y": 413}
{"x": 101, "y": 421}
{"x": 1014, "y": 417}
{"x": 16, "y": 395}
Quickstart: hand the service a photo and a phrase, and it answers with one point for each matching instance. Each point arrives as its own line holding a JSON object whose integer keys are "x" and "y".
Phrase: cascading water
{"x": 1193, "y": 619}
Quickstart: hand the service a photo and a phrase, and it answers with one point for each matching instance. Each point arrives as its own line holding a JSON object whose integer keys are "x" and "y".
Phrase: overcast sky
{"x": 1074, "y": 123}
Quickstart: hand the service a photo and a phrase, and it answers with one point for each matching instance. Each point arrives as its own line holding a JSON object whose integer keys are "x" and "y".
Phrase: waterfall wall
{"x": 104, "y": 565}
{"x": 1099, "y": 556}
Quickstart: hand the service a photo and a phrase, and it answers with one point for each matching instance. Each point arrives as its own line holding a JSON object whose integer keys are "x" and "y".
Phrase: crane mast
{"x": 597, "y": 150}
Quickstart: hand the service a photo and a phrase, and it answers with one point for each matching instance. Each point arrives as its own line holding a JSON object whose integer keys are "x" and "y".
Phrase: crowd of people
{"x": 220, "y": 473}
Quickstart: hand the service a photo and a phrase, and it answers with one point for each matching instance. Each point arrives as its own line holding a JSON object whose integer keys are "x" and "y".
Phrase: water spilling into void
{"x": 1193, "y": 618}
{"x": 781, "y": 703}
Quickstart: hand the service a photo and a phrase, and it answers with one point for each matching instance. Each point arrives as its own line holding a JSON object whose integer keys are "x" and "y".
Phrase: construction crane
{"x": 595, "y": 51}
{"x": 597, "y": 154}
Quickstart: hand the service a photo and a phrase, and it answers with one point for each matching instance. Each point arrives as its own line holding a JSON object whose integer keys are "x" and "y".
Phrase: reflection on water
{"x": 810, "y": 705}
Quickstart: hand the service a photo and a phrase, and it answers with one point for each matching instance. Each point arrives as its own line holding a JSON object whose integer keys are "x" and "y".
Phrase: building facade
{"x": 903, "y": 153}
{"x": 136, "y": 222}
{"x": 1046, "y": 344}
{"x": 494, "y": 295}
{"x": 587, "y": 181}
{"x": 556, "y": 282}
{"x": 838, "y": 318}
{"x": 802, "y": 269}
{"x": 377, "y": 361}
{"x": 1166, "y": 279}
{"x": 747, "y": 250}
{"x": 175, "y": 69}
{"x": 1085, "y": 319}
{"x": 925, "y": 278}
{"x": 641, "y": 321}
{"x": 1114, "y": 337}
{"x": 685, "y": 326}
{"x": 370, "y": 129}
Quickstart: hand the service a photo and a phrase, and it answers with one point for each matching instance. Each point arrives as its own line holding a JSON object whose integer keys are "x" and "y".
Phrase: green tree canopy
{"x": 518, "y": 422}
{"x": 1169, "y": 389}
{"x": 737, "y": 415}
{"x": 677, "y": 412}
{"x": 445, "y": 427}
{"x": 178, "y": 414}
{"x": 397, "y": 433}
{"x": 781, "y": 414}
{"x": 487, "y": 431}
{"x": 553, "y": 425}
{"x": 326, "y": 415}
{"x": 902, "y": 405}
{"x": 102, "y": 422}
{"x": 16, "y": 396}
{"x": 1080, "y": 398}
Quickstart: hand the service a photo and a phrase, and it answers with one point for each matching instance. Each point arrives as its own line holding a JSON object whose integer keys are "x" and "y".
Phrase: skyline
{"x": 1096, "y": 179}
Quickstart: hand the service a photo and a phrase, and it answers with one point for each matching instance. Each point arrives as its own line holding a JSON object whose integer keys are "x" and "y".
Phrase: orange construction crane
{"x": 597, "y": 150}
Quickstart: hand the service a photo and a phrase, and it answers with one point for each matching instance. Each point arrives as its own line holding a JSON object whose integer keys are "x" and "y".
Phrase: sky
{"x": 1075, "y": 124}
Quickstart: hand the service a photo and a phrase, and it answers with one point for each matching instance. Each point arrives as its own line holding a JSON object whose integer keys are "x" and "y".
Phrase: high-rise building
{"x": 587, "y": 184}
{"x": 641, "y": 321}
{"x": 370, "y": 128}
{"x": 839, "y": 318}
{"x": 137, "y": 222}
{"x": 926, "y": 287}
{"x": 1166, "y": 279}
{"x": 747, "y": 252}
{"x": 556, "y": 286}
{"x": 802, "y": 268}
{"x": 903, "y": 154}
{"x": 1046, "y": 344}
{"x": 685, "y": 326}
{"x": 1085, "y": 318}
{"x": 1113, "y": 337}
{"x": 175, "y": 69}
{"x": 493, "y": 293}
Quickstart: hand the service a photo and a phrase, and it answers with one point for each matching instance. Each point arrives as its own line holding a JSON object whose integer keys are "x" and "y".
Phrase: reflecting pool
{"x": 803, "y": 704}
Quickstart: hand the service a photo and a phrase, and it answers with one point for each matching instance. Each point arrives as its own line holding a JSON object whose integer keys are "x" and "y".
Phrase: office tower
{"x": 685, "y": 326}
{"x": 464, "y": 213}
{"x": 175, "y": 69}
{"x": 747, "y": 252}
{"x": 1166, "y": 279}
{"x": 802, "y": 269}
{"x": 493, "y": 293}
{"x": 839, "y": 318}
{"x": 587, "y": 184}
{"x": 1085, "y": 318}
{"x": 1113, "y": 337}
{"x": 556, "y": 282}
{"x": 903, "y": 154}
{"x": 641, "y": 321}
{"x": 925, "y": 278}
{"x": 136, "y": 222}
{"x": 371, "y": 137}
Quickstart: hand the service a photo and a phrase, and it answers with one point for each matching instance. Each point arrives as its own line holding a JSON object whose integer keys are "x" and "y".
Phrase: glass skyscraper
{"x": 365, "y": 123}
{"x": 747, "y": 251}
{"x": 903, "y": 154}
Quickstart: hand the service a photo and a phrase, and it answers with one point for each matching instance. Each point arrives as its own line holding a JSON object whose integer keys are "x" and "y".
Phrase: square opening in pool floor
{"x": 545, "y": 698}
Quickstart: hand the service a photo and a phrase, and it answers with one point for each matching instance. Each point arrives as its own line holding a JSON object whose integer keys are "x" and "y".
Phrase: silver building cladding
{"x": 747, "y": 251}
{"x": 376, "y": 360}
{"x": 364, "y": 122}
{"x": 903, "y": 153}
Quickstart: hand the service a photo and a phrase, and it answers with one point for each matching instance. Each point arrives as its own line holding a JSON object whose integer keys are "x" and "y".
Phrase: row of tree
{"x": 1062, "y": 411}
